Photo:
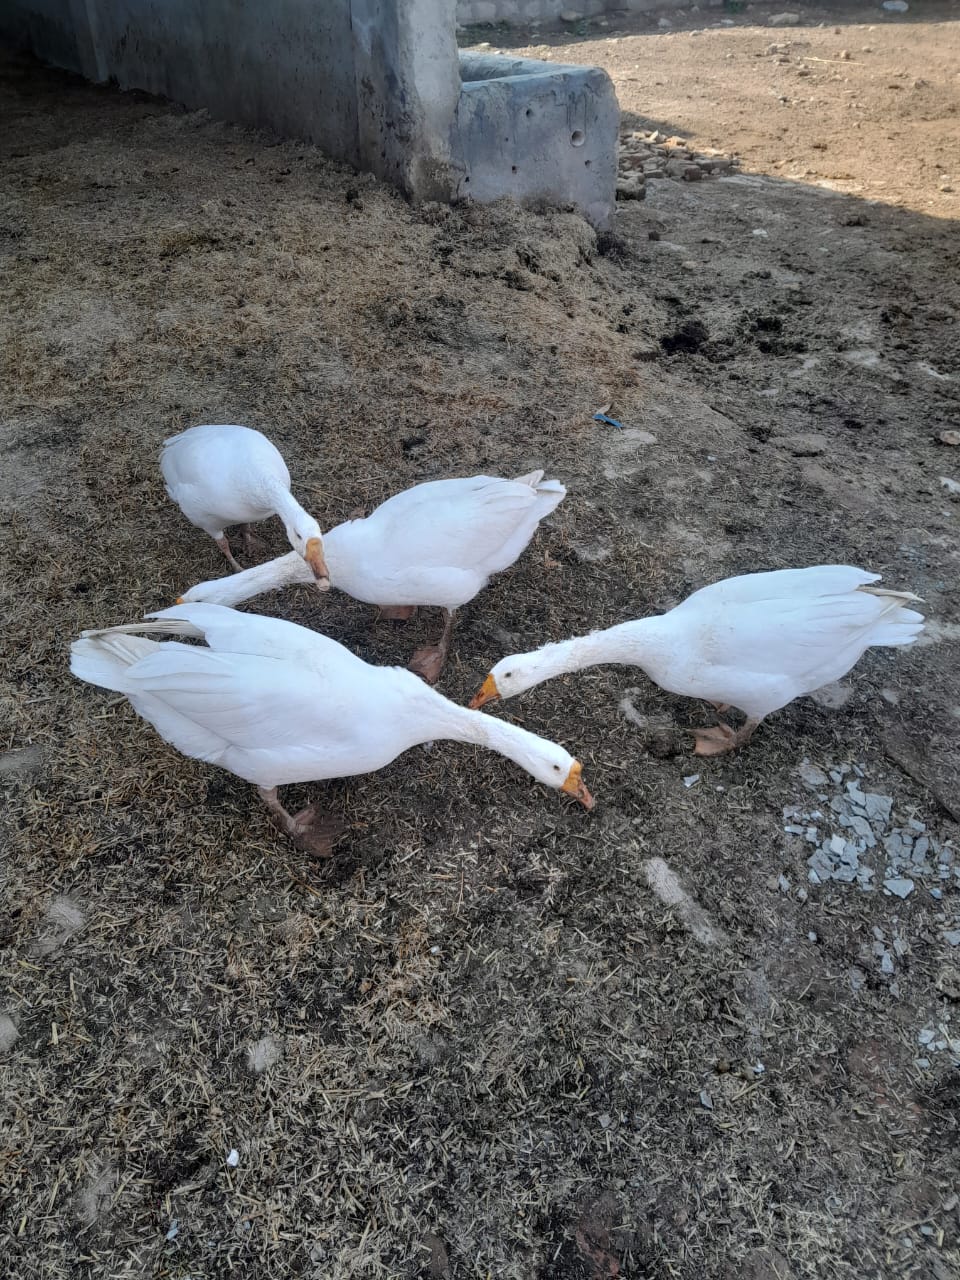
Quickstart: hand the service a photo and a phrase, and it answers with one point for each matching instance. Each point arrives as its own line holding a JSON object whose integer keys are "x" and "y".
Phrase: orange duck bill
{"x": 576, "y": 787}
{"x": 313, "y": 555}
{"x": 488, "y": 692}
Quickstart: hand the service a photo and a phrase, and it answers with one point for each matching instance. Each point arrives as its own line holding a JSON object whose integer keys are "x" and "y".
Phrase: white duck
{"x": 276, "y": 703}
{"x": 435, "y": 544}
{"x": 754, "y": 642}
{"x": 225, "y": 475}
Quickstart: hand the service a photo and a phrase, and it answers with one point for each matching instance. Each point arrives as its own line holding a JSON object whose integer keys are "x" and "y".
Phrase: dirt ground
{"x": 486, "y": 1039}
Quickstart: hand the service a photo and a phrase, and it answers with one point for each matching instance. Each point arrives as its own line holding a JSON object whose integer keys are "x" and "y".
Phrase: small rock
{"x": 952, "y": 937}
{"x": 949, "y": 437}
{"x": 8, "y": 1032}
{"x": 806, "y": 444}
{"x": 63, "y": 918}
{"x": 21, "y": 765}
{"x": 895, "y": 6}
{"x": 571, "y": 15}
{"x": 811, "y": 776}
{"x": 631, "y": 188}
{"x": 785, "y": 19}
{"x": 900, "y": 886}
{"x": 948, "y": 982}
{"x": 692, "y": 173}
{"x": 877, "y": 807}
{"x": 664, "y": 23}
{"x": 951, "y": 486}
{"x": 233, "y": 1158}
{"x": 833, "y": 696}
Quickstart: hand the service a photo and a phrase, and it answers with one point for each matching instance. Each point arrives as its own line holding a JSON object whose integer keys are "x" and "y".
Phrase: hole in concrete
{"x": 513, "y": 168}
{"x": 577, "y": 138}
{"x": 586, "y": 164}
{"x": 529, "y": 111}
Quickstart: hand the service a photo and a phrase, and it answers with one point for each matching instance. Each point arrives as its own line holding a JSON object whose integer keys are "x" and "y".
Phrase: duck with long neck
{"x": 410, "y": 713}
{"x": 278, "y": 704}
{"x": 224, "y": 474}
{"x": 434, "y": 545}
{"x": 755, "y": 642}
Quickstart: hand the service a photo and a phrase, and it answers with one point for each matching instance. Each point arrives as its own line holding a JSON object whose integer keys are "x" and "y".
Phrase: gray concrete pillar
{"x": 408, "y": 87}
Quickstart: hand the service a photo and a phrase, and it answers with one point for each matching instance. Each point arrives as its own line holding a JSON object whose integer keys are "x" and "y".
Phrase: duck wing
{"x": 810, "y": 640}
{"x": 230, "y": 632}
{"x": 479, "y": 523}
{"x": 778, "y": 585}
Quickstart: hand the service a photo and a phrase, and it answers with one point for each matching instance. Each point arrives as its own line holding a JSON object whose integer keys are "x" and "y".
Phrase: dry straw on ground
{"x": 477, "y": 1042}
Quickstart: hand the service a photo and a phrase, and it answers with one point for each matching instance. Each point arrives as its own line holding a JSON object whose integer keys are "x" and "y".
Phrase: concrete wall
{"x": 266, "y": 63}
{"x": 376, "y": 83}
{"x": 547, "y": 12}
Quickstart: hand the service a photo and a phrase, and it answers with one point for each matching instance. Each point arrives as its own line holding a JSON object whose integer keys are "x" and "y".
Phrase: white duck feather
{"x": 753, "y": 642}
{"x": 224, "y": 475}
{"x": 437, "y": 544}
{"x": 276, "y": 703}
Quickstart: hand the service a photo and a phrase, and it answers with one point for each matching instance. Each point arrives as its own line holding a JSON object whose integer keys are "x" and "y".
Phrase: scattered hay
{"x": 474, "y": 1042}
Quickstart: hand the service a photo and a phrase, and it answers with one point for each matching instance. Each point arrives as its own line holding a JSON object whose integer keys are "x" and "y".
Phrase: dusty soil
{"x": 480, "y": 1041}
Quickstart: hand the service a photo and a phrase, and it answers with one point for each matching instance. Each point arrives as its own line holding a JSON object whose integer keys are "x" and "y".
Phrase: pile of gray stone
{"x": 857, "y": 838}
{"x": 647, "y": 156}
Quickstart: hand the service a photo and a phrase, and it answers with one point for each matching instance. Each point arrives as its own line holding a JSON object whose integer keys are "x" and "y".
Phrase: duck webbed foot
{"x": 253, "y": 543}
{"x": 311, "y": 830}
{"x": 224, "y": 546}
{"x": 720, "y": 738}
{"x": 428, "y": 662}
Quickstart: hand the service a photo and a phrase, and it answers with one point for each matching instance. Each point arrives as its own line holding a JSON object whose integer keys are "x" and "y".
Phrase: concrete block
{"x": 538, "y": 130}
{"x": 376, "y": 83}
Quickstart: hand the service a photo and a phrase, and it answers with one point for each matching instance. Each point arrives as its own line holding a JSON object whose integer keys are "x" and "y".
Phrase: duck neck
{"x": 294, "y": 518}
{"x": 442, "y": 719}
{"x": 269, "y": 576}
{"x": 640, "y": 643}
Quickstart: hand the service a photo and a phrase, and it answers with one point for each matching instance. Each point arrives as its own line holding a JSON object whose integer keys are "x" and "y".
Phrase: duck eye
{"x": 556, "y": 768}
